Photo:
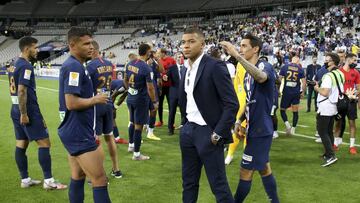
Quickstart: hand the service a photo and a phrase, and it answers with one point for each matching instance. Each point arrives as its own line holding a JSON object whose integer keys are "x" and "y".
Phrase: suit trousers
{"x": 174, "y": 103}
{"x": 197, "y": 150}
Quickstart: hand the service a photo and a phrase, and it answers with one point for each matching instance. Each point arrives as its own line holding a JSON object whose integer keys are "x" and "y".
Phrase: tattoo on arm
{"x": 22, "y": 96}
{"x": 258, "y": 75}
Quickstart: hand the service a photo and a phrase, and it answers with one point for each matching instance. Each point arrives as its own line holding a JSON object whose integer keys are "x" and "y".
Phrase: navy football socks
{"x": 21, "y": 162}
{"x": 45, "y": 161}
{"x": 295, "y": 118}
{"x": 242, "y": 190}
{"x": 131, "y": 133}
{"x": 152, "y": 122}
{"x": 101, "y": 195}
{"x": 283, "y": 115}
{"x": 137, "y": 140}
{"x": 76, "y": 191}
{"x": 270, "y": 188}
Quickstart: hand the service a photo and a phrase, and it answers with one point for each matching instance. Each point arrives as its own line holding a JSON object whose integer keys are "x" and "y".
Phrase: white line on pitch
{"x": 45, "y": 88}
{"x": 312, "y": 137}
{"x": 304, "y": 126}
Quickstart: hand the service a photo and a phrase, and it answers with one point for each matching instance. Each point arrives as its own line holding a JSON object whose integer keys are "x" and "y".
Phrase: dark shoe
{"x": 116, "y": 174}
{"x": 171, "y": 132}
{"x": 329, "y": 161}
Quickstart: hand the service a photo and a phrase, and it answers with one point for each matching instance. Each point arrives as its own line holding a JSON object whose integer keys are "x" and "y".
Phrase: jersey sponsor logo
{"x": 247, "y": 157}
{"x": 261, "y": 66}
{"x": 133, "y": 91}
{"x": 245, "y": 163}
{"x": 27, "y": 74}
{"x": 74, "y": 79}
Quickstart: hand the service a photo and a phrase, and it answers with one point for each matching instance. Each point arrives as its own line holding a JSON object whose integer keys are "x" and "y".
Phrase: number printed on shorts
{"x": 12, "y": 85}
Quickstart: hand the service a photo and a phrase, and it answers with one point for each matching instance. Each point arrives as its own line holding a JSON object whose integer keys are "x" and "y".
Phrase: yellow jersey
{"x": 355, "y": 49}
{"x": 240, "y": 91}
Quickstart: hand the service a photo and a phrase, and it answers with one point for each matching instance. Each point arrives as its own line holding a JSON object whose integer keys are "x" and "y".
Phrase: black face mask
{"x": 353, "y": 65}
{"x": 326, "y": 64}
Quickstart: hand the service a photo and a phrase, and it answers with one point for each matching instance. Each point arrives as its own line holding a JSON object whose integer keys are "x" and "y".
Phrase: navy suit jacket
{"x": 173, "y": 75}
{"x": 214, "y": 96}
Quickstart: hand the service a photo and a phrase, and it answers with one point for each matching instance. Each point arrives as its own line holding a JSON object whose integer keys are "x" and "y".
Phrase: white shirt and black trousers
{"x": 327, "y": 110}
{"x": 208, "y": 100}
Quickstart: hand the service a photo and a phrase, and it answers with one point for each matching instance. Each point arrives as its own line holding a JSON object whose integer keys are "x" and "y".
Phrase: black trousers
{"x": 325, "y": 125}
{"x": 197, "y": 150}
{"x": 174, "y": 103}
{"x": 164, "y": 93}
{"x": 309, "y": 97}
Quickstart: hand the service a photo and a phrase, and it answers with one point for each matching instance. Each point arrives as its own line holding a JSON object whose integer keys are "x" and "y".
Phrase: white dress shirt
{"x": 192, "y": 112}
{"x": 179, "y": 69}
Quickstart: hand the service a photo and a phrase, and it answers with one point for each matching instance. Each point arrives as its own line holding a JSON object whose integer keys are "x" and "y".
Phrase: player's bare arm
{"x": 22, "y": 95}
{"x": 258, "y": 75}
{"x": 74, "y": 102}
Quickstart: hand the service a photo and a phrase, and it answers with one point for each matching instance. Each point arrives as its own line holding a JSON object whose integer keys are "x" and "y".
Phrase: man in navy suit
{"x": 311, "y": 71}
{"x": 208, "y": 100}
{"x": 174, "y": 75}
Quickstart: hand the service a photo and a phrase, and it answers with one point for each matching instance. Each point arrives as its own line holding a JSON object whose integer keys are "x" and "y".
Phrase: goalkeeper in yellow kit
{"x": 241, "y": 95}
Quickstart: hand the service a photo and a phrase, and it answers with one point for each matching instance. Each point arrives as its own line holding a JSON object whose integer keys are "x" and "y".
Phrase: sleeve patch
{"x": 261, "y": 66}
{"x": 27, "y": 74}
{"x": 74, "y": 79}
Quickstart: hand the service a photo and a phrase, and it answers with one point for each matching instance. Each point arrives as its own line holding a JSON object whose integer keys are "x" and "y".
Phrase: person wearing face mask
{"x": 352, "y": 82}
{"x": 328, "y": 94}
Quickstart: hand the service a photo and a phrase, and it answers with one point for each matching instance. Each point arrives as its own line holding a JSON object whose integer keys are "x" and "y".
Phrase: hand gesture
{"x": 100, "y": 98}
{"x": 229, "y": 48}
{"x": 24, "y": 119}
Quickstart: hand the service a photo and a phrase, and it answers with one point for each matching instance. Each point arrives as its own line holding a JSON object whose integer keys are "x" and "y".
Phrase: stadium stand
{"x": 186, "y": 20}
{"x": 11, "y": 50}
{"x": 143, "y": 22}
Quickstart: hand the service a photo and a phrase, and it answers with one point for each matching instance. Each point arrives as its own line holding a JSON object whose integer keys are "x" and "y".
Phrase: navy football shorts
{"x": 35, "y": 130}
{"x": 256, "y": 153}
{"x": 104, "y": 119}
{"x": 77, "y": 142}
{"x": 138, "y": 113}
{"x": 289, "y": 99}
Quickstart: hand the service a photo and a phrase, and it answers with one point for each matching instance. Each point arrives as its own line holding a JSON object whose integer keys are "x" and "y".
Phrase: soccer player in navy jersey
{"x": 29, "y": 124}
{"x": 294, "y": 84}
{"x": 117, "y": 88}
{"x": 77, "y": 129}
{"x": 100, "y": 71}
{"x": 139, "y": 83}
{"x": 259, "y": 86}
{"x": 156, "y": 68}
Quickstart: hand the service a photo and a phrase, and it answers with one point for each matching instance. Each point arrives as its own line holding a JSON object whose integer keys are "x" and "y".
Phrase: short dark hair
{"x": 26, "y": 41}
{"x": 254, "y": 41}
{"x": 143, "y": 49}
{"x": 95, "y": 45}
{"x": 215, "y": 53}
{"x": 334, "y": 57}
{"x": 350, "y": 55}
{"x": 163, "y": 50}
{"x": 76, "y": 32}
{"x": 194, "y": 30}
